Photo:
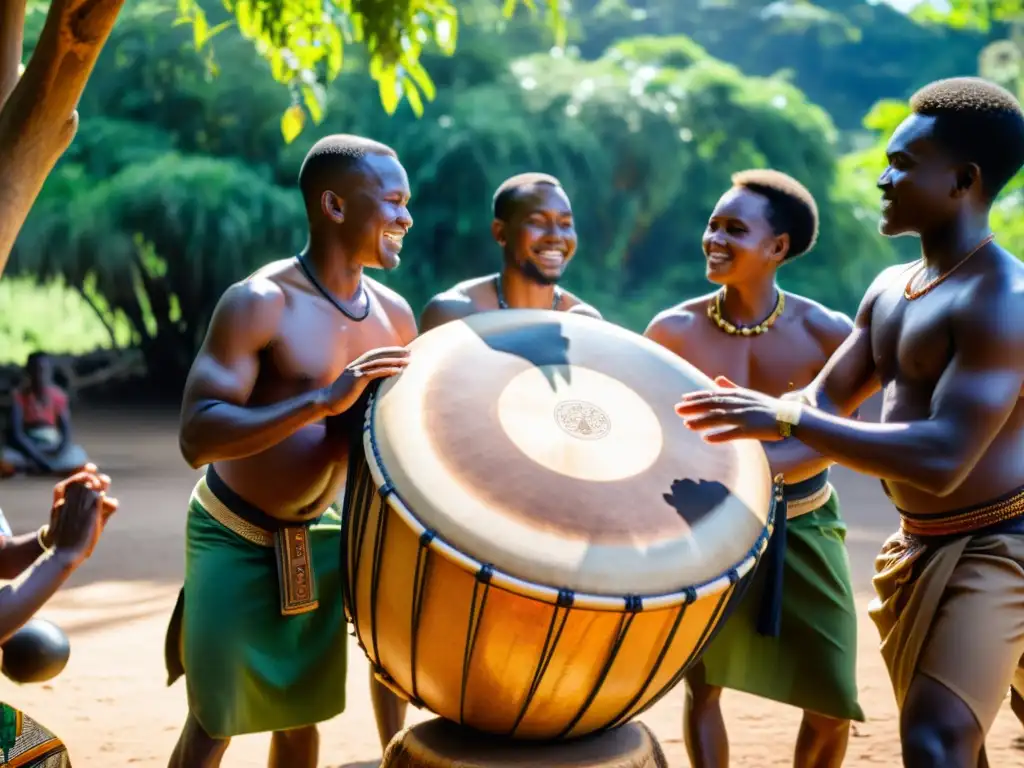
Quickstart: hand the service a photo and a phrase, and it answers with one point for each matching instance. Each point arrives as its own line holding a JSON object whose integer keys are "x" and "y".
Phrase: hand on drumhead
{"x": 730, "y": 413}
{"x": 375, "y": 364}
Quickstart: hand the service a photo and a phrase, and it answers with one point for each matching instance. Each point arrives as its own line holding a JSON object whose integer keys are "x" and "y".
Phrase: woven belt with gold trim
{"x": 816, "y": 500}
{"x": 997, "y": 515}
{"x": 233, "y": 522}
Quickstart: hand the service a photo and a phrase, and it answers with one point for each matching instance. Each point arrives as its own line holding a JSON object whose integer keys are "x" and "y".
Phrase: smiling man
{"x": 533, "y": 224}
{"x": 793, "y": 639}
{"x": 269, "y": 408}
{"x": 943, "y": 339}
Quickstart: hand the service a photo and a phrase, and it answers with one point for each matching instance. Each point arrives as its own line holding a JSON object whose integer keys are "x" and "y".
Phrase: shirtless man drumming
{"x": 533, "y": 225}
{"x": 259, "y": 630}
{"x": 943, "y": 339}
{"x": 793, "y": 639}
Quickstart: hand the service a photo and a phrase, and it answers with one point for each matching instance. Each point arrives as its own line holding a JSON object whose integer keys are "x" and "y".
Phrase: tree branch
{"x": 99, "y": 313}
{"x": 12, "y": 45}
{"x": 39, "y": 120}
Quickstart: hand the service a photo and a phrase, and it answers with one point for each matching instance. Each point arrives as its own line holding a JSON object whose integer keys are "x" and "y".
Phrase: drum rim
{"x": 542, "y": 592}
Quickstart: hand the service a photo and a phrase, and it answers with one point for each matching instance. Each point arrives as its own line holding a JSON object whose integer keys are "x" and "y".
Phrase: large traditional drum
{"x": 535, "y": 544}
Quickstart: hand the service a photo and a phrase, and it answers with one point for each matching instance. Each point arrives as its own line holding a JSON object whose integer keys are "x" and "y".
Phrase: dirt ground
{"x": 111, "y": 705}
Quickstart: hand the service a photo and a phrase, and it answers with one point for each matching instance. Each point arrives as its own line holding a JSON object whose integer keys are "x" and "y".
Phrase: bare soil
{"x": 111, "y": 706}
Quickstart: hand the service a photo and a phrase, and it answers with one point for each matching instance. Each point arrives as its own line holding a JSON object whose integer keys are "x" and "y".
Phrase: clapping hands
{"x": 81, "y": 509}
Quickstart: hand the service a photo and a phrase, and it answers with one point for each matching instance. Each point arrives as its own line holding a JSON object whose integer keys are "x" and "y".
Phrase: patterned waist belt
{"x": 290, "y": 540}
{"x": 1002, "y": 515}
{"x": 809, "y": 503}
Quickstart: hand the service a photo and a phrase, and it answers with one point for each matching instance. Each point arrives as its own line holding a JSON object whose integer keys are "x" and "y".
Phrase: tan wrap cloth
{"x": 952, "y": 608}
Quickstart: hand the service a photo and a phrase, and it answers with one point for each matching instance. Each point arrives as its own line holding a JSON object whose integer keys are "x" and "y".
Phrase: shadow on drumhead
{"x": 695, "y": 500}
{"x": 542, "y": 344}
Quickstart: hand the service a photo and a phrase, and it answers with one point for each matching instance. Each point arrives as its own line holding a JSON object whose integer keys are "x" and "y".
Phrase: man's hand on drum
{"x": 375, "y": 364}
{"x": 730, "y": 413}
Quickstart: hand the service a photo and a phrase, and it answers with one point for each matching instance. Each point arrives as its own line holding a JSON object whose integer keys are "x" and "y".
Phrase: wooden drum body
{"x": 535, "y": 544}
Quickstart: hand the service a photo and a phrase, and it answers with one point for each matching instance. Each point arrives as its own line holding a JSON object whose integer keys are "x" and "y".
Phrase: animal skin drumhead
{"x": 547, "y": 445}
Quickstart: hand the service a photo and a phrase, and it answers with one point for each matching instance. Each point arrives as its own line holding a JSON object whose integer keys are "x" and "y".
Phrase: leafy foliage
{"x": 843, "y": 54}
{"x": 304, "y": 42}
{"x": 1001, "y": 61}
{"x": 53, "y": 317}
{"x": 156, "y": 244}
{"x": 969, "y": 14}
{"x": 179, "y": 182}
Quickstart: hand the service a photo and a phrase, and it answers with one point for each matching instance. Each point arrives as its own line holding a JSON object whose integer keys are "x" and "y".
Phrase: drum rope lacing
{"x": 633, "y": 604}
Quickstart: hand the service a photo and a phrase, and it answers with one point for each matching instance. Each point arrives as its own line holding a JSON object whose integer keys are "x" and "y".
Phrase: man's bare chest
{"x": 315, "y": 347}
{"x": 771, "y": 365}
{"x": 911, "y": 340}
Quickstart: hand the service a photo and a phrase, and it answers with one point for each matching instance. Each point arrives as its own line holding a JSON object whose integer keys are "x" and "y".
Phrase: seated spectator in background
{"x": 78, "y": 514}
{"x": 39, "y": 429}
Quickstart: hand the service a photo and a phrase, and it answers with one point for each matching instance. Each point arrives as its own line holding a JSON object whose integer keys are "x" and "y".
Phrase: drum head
{"x": 547, "y": 445}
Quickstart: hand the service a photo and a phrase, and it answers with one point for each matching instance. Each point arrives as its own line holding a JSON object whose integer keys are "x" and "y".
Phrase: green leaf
{"x": 314, "y": 96}
{"x": 390, "y": 92}
{"x": 422, "y": 79}
{"x": 292, "y": 122}
{"x": 412, "y": 94}
{"x": 200, "y": 30}
{"x": 885, "y": 115}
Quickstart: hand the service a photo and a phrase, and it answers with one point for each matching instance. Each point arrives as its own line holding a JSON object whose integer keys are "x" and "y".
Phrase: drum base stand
{"x": 440, "y": 743}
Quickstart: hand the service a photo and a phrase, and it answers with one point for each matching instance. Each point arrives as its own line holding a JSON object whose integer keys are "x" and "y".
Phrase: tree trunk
{"x": 39, "y": 118}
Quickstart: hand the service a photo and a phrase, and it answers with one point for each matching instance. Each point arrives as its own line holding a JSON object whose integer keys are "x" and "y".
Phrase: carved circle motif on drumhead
{"x": 556, "y": 416}
{"x": 582, "y": 420}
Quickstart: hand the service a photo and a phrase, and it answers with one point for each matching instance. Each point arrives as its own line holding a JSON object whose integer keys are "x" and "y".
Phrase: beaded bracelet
{"x": 41, "y": 534}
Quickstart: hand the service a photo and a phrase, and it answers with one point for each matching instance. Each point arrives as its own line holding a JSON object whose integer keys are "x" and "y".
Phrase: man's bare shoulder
{"x": 397, "y": 309}
{"x": 259, "y": 297}
{"x": 281, "y": 272}
{"x": 671, "y": 327}
{"x": 994, "y": 303}
{"x": 392, "y": 301}
{"x": 828, "y": 326}
{"x": 474, "y": 289}
{"x": 895, "y": 274}
{"x": 570, "y": 302}
{"x": 457, "y": 302}
{"x": 246, "y": 318}
{"x": 681, "y": 317}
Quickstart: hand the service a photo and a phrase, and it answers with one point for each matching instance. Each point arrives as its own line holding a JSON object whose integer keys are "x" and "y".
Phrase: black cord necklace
{"x": 502, "y": 304}
{"x": 308, "y": 272}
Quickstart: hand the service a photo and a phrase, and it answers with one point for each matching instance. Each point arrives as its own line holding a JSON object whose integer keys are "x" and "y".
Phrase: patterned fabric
{"x": 26, "y": 744}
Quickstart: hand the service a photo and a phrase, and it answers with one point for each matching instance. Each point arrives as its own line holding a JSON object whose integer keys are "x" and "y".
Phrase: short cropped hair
{"x": 979, "y": 122}
{"x": 332, "y": 157}
{"x": 36, "y": 357}
{"x": 791, "y": 207}
{"x": 506, "y": 194}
